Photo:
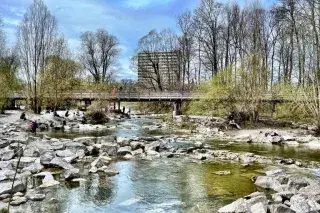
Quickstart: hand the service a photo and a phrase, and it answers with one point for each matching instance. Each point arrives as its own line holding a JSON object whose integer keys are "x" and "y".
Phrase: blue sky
{"x": 127, "y": 19}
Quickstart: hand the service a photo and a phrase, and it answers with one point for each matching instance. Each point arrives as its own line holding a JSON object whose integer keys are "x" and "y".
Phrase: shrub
{"x": 157, "y": 108}
{"x": 4, "y": 210}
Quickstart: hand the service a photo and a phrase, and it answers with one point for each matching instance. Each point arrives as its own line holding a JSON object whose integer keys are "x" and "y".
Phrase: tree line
{"x": 216, "y": 36}
{"x": 47, "y": 66}
{"x": 249, "y": 49}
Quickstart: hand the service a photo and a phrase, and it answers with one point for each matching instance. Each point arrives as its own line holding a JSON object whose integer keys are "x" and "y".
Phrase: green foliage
{"x": 154, "y": 107}
{"x": 167, "y": 117}
{"x": 239, "y": 92}
{"x": 4, "y": 210}
{"x": 98, "y": 106}
{"x": 97, "y": 112}
{"x": 57, "y": 79}
{"x": 8, "y": 79}
{"x": 187, "y": 125}
{"x": 292, "y": 112}
{"x": 215, "y": 91}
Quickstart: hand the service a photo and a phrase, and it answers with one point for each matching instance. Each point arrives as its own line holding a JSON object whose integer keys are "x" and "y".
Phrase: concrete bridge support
{"x": 177, "y": 107}
{"x": 118, "y": 106}
{"x": 11, "y": 104}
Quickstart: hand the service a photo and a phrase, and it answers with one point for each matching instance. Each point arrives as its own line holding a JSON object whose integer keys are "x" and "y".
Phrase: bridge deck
{"x": 151, "y": 96}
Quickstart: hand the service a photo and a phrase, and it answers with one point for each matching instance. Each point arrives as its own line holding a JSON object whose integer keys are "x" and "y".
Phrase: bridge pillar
{"x": 177, "y": 107}
{"x": 118, "y": 106}
{"x": 11, "y": 104}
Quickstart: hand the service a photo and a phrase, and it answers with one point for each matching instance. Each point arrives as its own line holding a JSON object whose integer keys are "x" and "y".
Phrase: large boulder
{"x": 6, "y": 154}
{"x": 297, "y": 182}
{"x": 122, "y": 151}
{"x": 268, "y": 182}
{"x": 16, "y": 201}
{"x": 31, "y": 151}
{"x": 110, "y": 148}
{"x": 138, "y": 153}
{"x": 71, "y": 174}
{"x": 3, "y": 144}
{"x": 280, "y": 208}
{"x": 75, "y": 146}
{"x": 34, "y": 195}
{"x": 58, "y": 145}
{"x": 256, "y": 202}
{"x": 275, "y": 172}
{"x": 109, "y": 172}
{"x": 5, "y": 165}
{"x": 238, "y": 206}
{"x": 258, "y": 208}
{"x": 34, "y": 168}
{"x": 64, "y": 153}
{"x": 101, "y": 161}
{"x": 123, "y": 141}
{"x": 303, "y": 204}
{"x": 87, "y": 141}
{"x": 155, "y": 146}
{"x": 46, "y": 157}
{"x": 312, "y": 190}
{"x": 106, "y": 139}
{"x": 80, "y": 154}
{"x": 61, "y": 163}
{"x": 152, "y": 153}
{"x": 136, "y": 145}
{"x": 6, "y": 174}
{"x": 17, "y": 148}
{"x": 48, "y": 180}
{"x": 24, "y": 162}
{"x": 93, "y": 150}
{"x": 5, "y": 187}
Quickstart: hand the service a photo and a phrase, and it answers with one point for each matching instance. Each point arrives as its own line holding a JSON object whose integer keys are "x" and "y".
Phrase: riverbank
{"x": 51, "y": 163}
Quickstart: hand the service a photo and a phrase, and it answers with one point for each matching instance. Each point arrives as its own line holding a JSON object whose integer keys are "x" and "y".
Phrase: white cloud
{"x": 137, "y": 4}
{"x": 11, "y": 21}
{"x": 77, "y": 16}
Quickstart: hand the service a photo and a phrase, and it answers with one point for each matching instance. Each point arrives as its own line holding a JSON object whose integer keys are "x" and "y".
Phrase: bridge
{"x": 176, "y": 97}
{"x": 88, "y": 96}
{"x": 124, "y": 96}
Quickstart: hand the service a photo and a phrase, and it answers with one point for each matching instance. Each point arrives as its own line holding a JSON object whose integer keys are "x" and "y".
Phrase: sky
{"x": 128, "y": 20}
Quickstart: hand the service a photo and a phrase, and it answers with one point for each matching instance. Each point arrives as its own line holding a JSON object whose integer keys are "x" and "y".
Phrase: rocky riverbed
{"x": 46, "y": 163}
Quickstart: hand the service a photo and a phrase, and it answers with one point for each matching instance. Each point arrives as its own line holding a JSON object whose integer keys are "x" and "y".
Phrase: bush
{"x": 98, "y": 106}
{"x": 97, "y": 117}
{"x": 167, "y": 117}
{"x": 187, "y": 125}
{"x": 4, "y": 210}
{"x": 155, "y": 107}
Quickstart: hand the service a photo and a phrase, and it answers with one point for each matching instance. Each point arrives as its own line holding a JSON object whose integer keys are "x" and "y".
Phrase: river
{"x": 160, "y": 185}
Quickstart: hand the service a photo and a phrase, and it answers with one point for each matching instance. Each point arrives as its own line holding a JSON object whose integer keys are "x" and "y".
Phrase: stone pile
{"x": 291, "y": 194}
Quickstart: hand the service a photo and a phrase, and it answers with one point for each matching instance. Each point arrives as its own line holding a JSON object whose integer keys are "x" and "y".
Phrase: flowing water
{"x": 298, "y": 152}
{"x": 161, "y": 185}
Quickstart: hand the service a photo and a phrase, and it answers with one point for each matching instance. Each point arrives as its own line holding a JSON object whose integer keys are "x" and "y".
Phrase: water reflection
{"x": 162, "y": 185}
{"x": 174, "y": 185}
{"x": 297, "y": 152}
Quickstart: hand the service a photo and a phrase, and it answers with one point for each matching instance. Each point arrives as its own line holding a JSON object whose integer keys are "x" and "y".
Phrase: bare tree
{"x": 156, "y": 61}
{"x": 99, "y": 52}
{"x": 3, "y": 47}
{"x": 186, "y": 42}
{"x": 207, "y": 18}
{"x": 36, "y": 36}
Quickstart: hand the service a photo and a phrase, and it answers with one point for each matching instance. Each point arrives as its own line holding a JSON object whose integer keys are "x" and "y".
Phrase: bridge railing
{"x": 94, "y": 95}
{"x": 157, "y": 95}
